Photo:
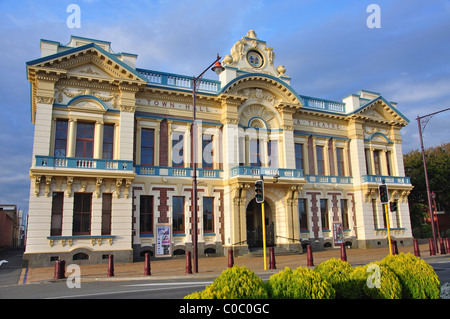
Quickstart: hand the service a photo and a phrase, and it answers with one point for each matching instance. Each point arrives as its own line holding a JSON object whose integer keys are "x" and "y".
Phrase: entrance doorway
{"x": 254, "y": 225}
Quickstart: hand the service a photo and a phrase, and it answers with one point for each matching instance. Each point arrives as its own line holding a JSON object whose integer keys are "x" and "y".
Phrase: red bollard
{"x": 447, "y": 242}
{"x": 272, "y": 264}
{"x": 431, "y": 246}
{"x": 442, "y": 246}
{"x": 394, "y": 247}
{"x": 343, "y": 252}
{"x": 188, "y": 263}
{"x": 60, "y": 269}
{"x": 230, "y": 258}
{"x": 416, "y": 248}
{"x": 147, "y": 268}
{"x": 309, "y": 258}
{"x": 110, "y": 265}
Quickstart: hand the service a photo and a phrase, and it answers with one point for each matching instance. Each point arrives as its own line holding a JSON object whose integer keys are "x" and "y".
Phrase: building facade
{"x": 112, "y": 170}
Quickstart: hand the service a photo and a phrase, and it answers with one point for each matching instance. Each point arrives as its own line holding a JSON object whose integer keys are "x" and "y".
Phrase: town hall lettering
{"x": 172, "y": 105}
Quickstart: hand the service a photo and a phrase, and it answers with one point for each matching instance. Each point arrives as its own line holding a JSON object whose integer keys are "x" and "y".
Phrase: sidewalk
{"x": 211, "y": 267}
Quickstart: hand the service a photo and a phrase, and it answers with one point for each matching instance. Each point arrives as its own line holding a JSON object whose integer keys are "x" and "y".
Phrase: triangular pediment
{"x": 89, "y": 69}
{"x": 88, "y": 61}
{"x": 381, "y": 111}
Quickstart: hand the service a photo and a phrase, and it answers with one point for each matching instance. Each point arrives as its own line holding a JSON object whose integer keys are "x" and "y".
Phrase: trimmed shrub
{"x": 389, "y": 284}
{"x": 418, "y": 279}
{"x": 337, "y": 273}
{"x": 234, "y": 283}
{"x": 301, "y": 283}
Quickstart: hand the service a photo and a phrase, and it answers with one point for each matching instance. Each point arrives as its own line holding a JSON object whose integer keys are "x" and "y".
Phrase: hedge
{"x": 301, "y": 283}
{"x": 237, "y": 282}
{"x": 400, "y": 276}
{"x": 418, "y": 279}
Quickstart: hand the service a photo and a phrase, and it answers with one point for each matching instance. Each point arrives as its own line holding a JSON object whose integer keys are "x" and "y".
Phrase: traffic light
{"x": 384, "y": 195}
{"x": 393, "y": 206}
{"x": 259, "y": 190}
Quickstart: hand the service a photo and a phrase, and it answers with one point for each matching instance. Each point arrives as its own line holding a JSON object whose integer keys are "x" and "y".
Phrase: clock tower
{"x": 251, "y": 55}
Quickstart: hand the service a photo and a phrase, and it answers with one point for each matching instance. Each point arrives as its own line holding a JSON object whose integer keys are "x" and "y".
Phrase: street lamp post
{"x": 195, "y": 84}
{"x": 422, "y": 125}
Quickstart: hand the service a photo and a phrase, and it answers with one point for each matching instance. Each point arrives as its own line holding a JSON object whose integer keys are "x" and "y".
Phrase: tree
{"x": 438, "y": 168}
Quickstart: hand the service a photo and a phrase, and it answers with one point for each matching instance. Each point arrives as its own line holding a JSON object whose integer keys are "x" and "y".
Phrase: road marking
{"x": 121, "y": 292}
{"x": 171, "y": 284}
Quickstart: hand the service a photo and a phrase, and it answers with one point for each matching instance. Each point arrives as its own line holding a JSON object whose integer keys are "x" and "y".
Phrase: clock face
{"x": 255, "y": 59}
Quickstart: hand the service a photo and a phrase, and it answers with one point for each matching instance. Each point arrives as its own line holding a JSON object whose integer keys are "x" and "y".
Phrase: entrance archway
{"x": 254, "y": 225}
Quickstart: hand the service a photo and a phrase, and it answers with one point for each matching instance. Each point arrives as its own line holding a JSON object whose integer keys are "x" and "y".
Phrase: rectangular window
{"x": 61, "y": 138}
{"x": 272, "y": 150}
{"x": 82, "y": 204}
{"x": 178, "y": 214}
{"x": 376, "y": 162}
{"x": 397, "y": 215}
{"x": 108, "y": 141}
{"x": 302, "y": 215}
{"x": 106, "y": 213}
{"x": 388, "y": 163}
{"x": 344, "y": 213}
{"x": 57, "y": 213}
{"x": 242, "y": 153}
{"x": 147, "y": 146}
{"x": 146, "y": 214}
{"x": 177, "y": 149}
{"x": 207, "y": 151}
{"x": 208, "y": 214}
{"x": 299, "y": 156}
{"x": 255, "y": 159}
{"x": 374, "y": 213}
{"x": 324, "y": 214}
{"x": 85, "y": 140}
{"x": 367, "y": 155}
{"x": 340, "y": 161}
{"x": 320, "y": 160}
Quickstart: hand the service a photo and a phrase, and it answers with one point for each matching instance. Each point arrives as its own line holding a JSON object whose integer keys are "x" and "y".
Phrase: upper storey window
{"x": 85, "y": 140}
{"x": 147, "y": 147}
{"x": 61, "y": 138}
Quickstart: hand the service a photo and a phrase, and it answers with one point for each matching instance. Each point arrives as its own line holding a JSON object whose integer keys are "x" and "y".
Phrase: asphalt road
{"x": 139, "y": 289}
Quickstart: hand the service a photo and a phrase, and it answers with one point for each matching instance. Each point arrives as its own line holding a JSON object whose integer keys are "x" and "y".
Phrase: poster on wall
{"x": 338, "y": 233}
{"x": 163, "y": 240}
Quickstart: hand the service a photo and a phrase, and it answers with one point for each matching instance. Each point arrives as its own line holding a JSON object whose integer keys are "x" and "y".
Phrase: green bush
{"x": 234, "y": 283}
{"x": 389, "y": 284}
{"x": 418, "y": 279}
{"x": 301, "y": 283}
{"x": 337, "y": 273}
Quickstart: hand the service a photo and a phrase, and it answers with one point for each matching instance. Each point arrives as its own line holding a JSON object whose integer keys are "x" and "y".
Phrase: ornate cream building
{"x": 111, "y": 169}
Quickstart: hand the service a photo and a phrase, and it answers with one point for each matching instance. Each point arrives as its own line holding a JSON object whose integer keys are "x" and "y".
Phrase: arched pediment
{"x": 87, "y": 103}
{"x": 263, "y": 87}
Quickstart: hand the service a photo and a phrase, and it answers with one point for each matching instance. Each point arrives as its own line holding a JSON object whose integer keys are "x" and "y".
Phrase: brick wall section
{"x": 314, "y": 211}
{"x": 164, "y": 144}
{"x": 334, "y": 208}
{"x": 221, "y": 215}
{"x": 163, "y": 208}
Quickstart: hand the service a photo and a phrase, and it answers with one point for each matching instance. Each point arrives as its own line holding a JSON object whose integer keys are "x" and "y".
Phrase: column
{"x": 98, "y": 139}
{"x": 71, "y": 138}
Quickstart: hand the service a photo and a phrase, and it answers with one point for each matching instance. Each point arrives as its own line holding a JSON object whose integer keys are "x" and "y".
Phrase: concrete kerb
{"x": 356, "y": 257}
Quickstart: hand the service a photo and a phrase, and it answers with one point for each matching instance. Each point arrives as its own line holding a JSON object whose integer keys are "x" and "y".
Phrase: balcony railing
{"x": 179, "y": 81}
{"x": 323, "y": 104}
{"x": 177, "y": 171}
{"x": 387, "y": 179}
{"x": 329, "y": 179}
{"x": 266, "y": 171}
{"x": 83, "y": 163}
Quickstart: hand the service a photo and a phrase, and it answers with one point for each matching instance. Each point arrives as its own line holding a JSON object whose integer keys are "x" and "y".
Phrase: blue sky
{"x": 326, "y": 47}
